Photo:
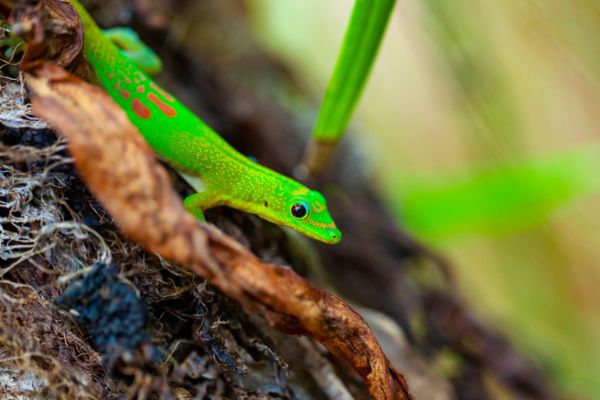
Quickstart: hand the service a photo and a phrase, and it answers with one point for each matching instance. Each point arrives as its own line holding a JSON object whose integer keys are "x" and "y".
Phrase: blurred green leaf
{"x": 500, "y": 199}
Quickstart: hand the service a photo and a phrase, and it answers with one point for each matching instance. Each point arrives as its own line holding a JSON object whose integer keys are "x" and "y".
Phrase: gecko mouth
{"x": 331, "y": 234}
{"x": 327, "y": 232}
{"x": 322, "y": 225}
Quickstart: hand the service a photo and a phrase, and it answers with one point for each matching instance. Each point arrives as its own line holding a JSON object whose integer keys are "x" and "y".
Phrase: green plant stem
{"x": 359, "y": 49}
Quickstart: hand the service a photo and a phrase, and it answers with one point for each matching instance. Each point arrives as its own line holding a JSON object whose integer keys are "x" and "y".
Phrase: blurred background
{"x": 480, "y": 124}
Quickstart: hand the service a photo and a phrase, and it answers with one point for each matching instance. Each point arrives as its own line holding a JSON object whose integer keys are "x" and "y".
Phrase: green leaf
{"x": 359, "y": 49}
{"x": 499, "y": 199}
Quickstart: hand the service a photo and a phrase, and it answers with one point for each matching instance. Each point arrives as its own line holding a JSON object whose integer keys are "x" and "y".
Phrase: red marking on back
{"x": 165, "y": 108}
{"x": 140, "y": 109}
{"x": 140, "y": 89}
{"x": 124, "y": 93}
{"x": 127, "y": 80}
{"x": 160, "y": 90}
{"x": 111, "y": 76}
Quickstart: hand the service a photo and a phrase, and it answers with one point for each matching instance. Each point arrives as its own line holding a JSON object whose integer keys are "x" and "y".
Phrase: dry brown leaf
{"x": 122, "y": 172}
{"x": 37, "y": 21}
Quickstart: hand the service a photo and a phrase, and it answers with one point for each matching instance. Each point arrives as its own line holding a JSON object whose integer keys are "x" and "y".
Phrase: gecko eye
{"x": 300, "y": 210}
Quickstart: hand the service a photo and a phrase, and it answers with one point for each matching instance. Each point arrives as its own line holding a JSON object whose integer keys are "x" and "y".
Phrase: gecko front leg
{"x": 197, "y": 202}
{"x": 202, "y": 200}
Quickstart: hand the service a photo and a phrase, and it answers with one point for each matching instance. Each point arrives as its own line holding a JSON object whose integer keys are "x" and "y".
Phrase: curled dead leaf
{"x": 122, "y": 172}
{"x": 52, "y": 30}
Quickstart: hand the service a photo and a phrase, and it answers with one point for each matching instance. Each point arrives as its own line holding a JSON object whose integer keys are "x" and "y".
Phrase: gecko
{"x": 220, "y": 175}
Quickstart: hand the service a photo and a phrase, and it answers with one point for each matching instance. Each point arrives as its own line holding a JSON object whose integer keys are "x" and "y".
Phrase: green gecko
{"x": 220, "y": 174}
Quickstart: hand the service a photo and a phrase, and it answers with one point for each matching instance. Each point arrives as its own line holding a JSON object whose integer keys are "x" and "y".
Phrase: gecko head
{"x": 308, "y": 214}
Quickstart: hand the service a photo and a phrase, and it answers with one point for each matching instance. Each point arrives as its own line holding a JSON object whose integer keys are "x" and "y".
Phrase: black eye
{"x": 300, "y": 210}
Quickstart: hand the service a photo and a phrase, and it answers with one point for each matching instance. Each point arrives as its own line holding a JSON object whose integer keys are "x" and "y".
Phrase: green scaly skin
{"x": 220, "y": 174}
